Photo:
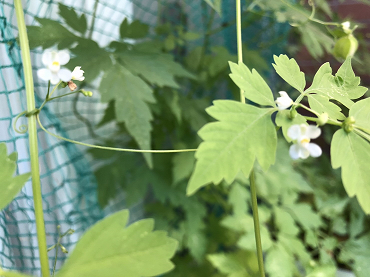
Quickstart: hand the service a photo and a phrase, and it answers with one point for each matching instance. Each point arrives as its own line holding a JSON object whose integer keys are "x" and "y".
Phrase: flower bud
{"x": 345, "y": 47}
{"x": 323, "y": 119}
{"x": 70, "y": 232}
{"x": 86, "y": 93}
{"x": 284, "y": 101}
{"x": 72, "y": 86}
{"x": 64, "y": 250}
{"x": 348, "y": 124}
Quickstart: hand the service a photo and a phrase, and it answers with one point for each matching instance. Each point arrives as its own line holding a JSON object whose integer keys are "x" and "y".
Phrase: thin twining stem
{"x": 111, "y": 148}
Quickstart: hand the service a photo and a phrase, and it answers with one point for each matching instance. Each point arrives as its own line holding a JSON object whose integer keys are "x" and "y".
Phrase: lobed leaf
{"x": 242, "y": 134}
{"x": 361, "y": 112}
{"x": 70, "y": 16}
{"x": 158, "y": 69}
{"x": 351, "y": 152}
{"x": 91, "y": 58}
{"x": 9, "y": 186}
{"x": 110, "y": 248}
{"x": 238, "y": 264}
{"x": 253, "y": 85}
{"x": 48, "y": 34}
{"x": 342, "y": 87}
{"x": 132, "y": 96}
{"x": 289, "y": 70}
{"x": 135, "y": 29}
{"x": 322, "y": 104}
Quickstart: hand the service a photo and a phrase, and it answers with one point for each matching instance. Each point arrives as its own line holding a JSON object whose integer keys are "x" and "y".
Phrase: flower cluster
{"x": 301, "y": 134}
{"x": 53, "y": 60}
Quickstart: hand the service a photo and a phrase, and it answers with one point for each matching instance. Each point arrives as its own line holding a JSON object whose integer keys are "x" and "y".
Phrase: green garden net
{"x": 68, "y": 183}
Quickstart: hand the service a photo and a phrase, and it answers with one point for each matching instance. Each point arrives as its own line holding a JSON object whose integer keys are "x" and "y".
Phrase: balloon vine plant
{"x": 244, "y": 134}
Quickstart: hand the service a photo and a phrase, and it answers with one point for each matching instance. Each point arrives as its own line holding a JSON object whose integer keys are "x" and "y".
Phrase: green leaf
{"x": 216, "y": 5}
{"x": 131, "y": 95}
{"x": 351, "y": 152}
{"x": 242, "y": 134}
{"x": 238, "y": 264}
{"x": 357, "y": 252}
{"x": 183, "y": 164}
{"x": 279, "y": 262}
{"x": 9, "y": 186}
{"x": 133, "y": 251}
{"x": 158, "y": 69}
{"x": 361, "y": 112}
{"x": 282, "y": 183}
{"x": 289, "y": 70}
{"x": 238, "y": 199}
{"x": 315, "y": 40}
{"x": 4, "y": 273}
{"x": 253, "y": 85}
{"x": 49, "y": 33}
{"x": 322, "y": 104}
{"x": 285, "y": 222}
{"x": 341, "y": 87}
{"x": 248, "y": 241}
{"x": 135, "y": 29}
{"x": 284, "y": 121}
{"x": 306, "y": 216}
{"x": 91, "y": 58}
{"x": 70, "y": 16}
{"x": 327, "y": 271}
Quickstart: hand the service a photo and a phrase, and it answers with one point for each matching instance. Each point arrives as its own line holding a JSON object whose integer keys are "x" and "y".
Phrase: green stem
{"x": 257, "y": 231}
{"x": 93, "y": 19}
{"x": 54, "y": 89}
{"x": 112, "y": 148}
{"x": 60, "y": 96}
{"x": 239, "y": 40}
{"x": 36, "y": 186}
{"x": 256, "y": 222}
{"x": 308, "y": 109}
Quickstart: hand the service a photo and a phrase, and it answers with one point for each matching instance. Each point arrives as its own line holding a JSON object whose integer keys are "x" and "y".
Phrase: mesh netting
{"x": 68, "y": 183}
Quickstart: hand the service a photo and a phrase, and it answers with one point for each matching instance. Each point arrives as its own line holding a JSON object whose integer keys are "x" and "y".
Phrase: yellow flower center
{"x": 55, "y": 63}
{"x": 305, "y": 140}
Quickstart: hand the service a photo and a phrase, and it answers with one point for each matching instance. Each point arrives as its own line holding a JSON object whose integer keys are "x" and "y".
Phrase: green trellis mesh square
{"x": 68, "y": 184}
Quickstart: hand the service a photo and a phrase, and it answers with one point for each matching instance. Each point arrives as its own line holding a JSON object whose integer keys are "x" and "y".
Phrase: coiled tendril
{"x": 22, "y": 129}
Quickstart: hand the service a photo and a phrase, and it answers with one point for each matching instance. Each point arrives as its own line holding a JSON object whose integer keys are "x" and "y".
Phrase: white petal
{"x": 304, "y": 153}
{"x": 63, "y": 57}
{"x": 77, "y": 74}
{"x": 294, "y": 132}
{"x": 294, "y": 151}
{"x": 47, "y": 57}
{"x": 44, "y": 74}
{"x": 284, "y": 101}
{"x": 314, "y": 149}
{"x": 283, "y": 94}
{"x": 54, "y": 79}
{"x": 313, "y": 132}
{"x": 65, "y": 75}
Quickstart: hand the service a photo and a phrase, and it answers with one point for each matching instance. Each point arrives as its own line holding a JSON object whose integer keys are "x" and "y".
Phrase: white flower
{"x": 78, "y": 74}
{"x": 301, "y": 136}
{"x": 346, "y": 25}
{"x": 53, "y": 60}
{"x": 284, "y": 101}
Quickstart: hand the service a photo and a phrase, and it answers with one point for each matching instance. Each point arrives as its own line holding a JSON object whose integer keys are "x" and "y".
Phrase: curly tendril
{"x": 22, "y": 129}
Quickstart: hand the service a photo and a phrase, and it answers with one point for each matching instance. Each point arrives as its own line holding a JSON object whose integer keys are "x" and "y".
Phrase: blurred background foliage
{"x": 158, "y": 78}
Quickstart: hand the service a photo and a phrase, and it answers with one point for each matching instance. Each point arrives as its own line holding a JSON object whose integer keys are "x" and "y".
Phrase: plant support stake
{"x": 257, "y": 231}
{"x": 32, "y": 135}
